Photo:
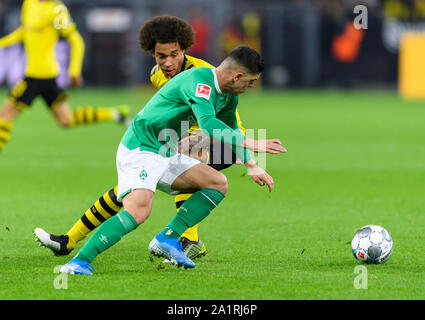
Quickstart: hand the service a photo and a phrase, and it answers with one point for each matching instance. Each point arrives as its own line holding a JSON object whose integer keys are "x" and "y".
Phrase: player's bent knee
{"x": 140, "y": 214}
{"x": 63, "y": 115}
{"x": 139, "y": 204}
{"x": 64, "y": 123}
{"x": 9, "y": 111}
{"x": 220, "y": 183}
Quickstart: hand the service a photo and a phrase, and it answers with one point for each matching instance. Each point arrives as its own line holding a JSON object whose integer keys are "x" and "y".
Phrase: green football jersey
{"x": 193, "y": 96}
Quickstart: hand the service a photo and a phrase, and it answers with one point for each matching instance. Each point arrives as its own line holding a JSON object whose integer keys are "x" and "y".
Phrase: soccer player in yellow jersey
{"x": 43, "y": 22}
{"x": 166, "y": 38}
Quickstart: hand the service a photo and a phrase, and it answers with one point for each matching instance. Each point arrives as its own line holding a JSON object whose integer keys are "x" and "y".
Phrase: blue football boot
{"x": 170, "y": 248}
{"x": 76, "y": 266}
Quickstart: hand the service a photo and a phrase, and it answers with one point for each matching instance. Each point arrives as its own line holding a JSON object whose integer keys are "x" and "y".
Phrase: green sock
{"x": 192, "y": 211}
{"x": 110, "y": 232}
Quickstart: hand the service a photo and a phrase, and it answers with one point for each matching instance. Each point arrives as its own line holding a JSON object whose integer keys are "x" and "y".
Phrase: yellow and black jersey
{"x": 158, "y": 80}
{"x": 42, "y": 24}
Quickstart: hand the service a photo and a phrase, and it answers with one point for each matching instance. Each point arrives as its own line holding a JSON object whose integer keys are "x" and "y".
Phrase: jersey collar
{"x": 183, "y": 68}
{"x": 217, "y": 87}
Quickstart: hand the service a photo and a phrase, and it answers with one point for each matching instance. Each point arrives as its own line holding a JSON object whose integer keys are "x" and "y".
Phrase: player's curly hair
{"x": 166, "y": 29}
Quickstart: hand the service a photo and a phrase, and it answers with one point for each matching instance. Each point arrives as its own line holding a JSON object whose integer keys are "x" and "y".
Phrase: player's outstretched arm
{"x": 273, "y": 146}
{"x": 260, "y": 176}
{"x": 77, "y": 56}
{"x": 77, "y": 81}
{"x": 12, "y": 38}
{"x": 195, "y": 145}
{"x": 76, "y": 42}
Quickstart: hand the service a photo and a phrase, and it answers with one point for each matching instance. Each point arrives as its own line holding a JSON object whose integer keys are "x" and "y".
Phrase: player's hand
{"x": 260, "y": 176}
{"x": 77, "y": 81}
{"x": 195, "y": 146}
{"x": 273, "y": 146}
{"x": 194, "y": 142}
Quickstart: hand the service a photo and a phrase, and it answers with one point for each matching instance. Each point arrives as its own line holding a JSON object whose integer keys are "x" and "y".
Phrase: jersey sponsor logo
{"x": 203, "y": 91}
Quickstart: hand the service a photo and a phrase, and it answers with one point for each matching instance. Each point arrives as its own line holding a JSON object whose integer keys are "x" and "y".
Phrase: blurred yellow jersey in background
{"x": 42, "y": 24}
{"x": 158, "y": 80}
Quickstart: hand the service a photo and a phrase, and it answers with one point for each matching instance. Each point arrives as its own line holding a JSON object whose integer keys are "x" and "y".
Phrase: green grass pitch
{"x": 354, "y": 158}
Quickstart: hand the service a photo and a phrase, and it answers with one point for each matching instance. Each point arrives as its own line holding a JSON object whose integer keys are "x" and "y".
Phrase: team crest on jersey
{"x": 143, "y": 175}
{"x": 203, "y": 91}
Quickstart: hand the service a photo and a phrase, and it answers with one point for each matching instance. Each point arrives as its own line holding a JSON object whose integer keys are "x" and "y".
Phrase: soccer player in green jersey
{"x": 148, "y": 159}
{"x": 166, "y": 38}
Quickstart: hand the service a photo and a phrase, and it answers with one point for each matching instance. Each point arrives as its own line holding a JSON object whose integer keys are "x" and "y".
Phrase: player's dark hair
{"x": 248, "y": 58}
{"x": 166, "y": 29}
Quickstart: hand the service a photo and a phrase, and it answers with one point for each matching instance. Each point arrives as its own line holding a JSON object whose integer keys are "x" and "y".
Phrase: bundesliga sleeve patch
{"x": 203, "y": 91}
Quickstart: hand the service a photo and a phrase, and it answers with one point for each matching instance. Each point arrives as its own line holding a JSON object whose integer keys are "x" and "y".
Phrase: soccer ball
{"x": 372, "y": 244}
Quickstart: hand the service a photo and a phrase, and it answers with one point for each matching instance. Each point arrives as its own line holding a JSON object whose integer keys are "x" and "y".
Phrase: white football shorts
{"x": 148, "y": 170}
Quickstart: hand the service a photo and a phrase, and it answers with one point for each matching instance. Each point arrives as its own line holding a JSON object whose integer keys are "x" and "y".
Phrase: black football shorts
{"x": 24, "y": 92}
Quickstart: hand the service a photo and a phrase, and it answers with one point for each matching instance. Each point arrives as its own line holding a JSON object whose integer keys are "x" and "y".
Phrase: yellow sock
{"x": 104, "y": 208}
{"x": 88, "y": 115}
{"x": 77, "y": 233}
{"x": 5, "y": 131}
{"x": 105, "y": 114}
{"x": 191, "y": 233}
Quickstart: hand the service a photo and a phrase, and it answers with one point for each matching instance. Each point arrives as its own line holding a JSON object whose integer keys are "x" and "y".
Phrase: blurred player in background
{"x": 166, "y": 38}
{"x": 43, "y": 22}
